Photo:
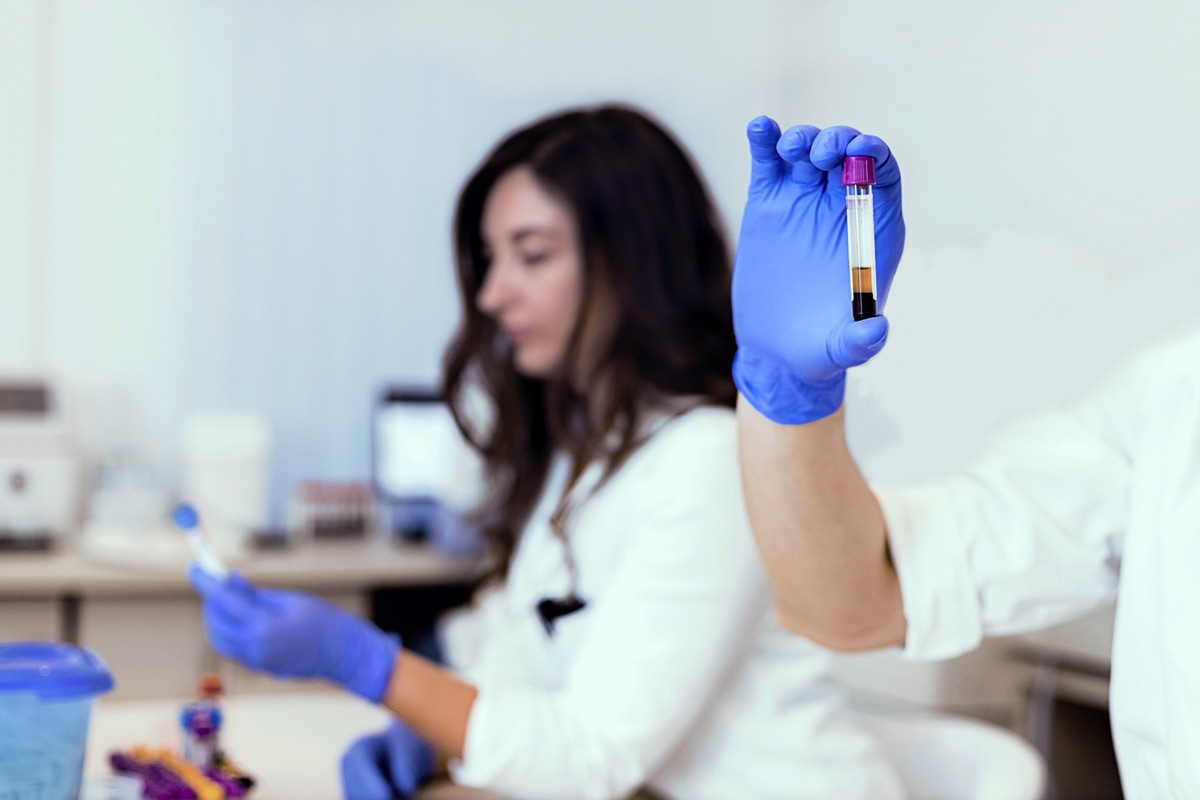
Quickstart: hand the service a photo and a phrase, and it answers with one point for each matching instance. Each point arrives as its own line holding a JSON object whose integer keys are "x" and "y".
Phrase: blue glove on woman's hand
{"x": 294, "y": 635}
{"x": 792, "y": 314}
{"x": 389, "y": 764}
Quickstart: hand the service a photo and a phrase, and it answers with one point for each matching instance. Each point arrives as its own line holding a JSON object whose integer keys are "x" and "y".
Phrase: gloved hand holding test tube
{"x": 188, "y": 521}
{"x": 287, "y": 634}
{"x": 815, "y": 196}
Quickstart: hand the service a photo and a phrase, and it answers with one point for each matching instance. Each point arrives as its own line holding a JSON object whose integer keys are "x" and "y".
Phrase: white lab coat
{"x": 1065, "y": 510}
{"x": 675, "y": 675}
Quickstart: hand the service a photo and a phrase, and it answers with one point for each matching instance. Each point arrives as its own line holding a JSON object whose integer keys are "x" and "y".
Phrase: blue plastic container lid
{"x": 52, "y": 671}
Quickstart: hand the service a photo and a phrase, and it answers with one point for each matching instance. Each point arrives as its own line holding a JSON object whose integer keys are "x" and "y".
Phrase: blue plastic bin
{"x": 47, "y": 691}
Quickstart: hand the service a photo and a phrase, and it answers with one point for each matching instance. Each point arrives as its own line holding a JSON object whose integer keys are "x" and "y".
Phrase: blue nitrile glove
{"x": 389, "y": 764}
{"x": 294, "y": 635}
{"x": 792, "y": 315}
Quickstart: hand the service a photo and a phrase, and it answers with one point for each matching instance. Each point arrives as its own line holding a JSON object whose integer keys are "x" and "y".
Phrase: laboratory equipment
{"x": 40, "y": 467}
{"x": 201, "y": 722}
{"x": 426, "y": 477}
{"x": 158, "y": 781}
{"x": 858, "y": 176}
{"x": 166, "y": 776}
{"x": 414, "y": 453}
{"x": 47, "y": 691}
{"x": 332, "y": 509}
{"x": 127, "y": 491}
{"x": 187, "y": 520}
{"x": 226, "y": 469}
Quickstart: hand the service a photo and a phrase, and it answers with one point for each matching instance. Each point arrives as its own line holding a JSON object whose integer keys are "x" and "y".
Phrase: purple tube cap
{"x": 858, "y": 171}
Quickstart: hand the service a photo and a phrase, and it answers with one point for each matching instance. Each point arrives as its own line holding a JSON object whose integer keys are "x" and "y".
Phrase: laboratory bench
{"x": 310, "y": 565}
{"x": 291, "y": 744}
{"x": 144, "y": 618}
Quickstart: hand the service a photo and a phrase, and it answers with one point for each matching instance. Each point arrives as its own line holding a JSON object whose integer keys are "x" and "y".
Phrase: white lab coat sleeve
{"x": 681, "y": 609}
{"x": 1028, "y": 537}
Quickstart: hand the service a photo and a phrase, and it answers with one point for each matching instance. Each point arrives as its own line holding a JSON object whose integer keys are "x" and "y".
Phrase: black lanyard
{"x": 550, "y": 609}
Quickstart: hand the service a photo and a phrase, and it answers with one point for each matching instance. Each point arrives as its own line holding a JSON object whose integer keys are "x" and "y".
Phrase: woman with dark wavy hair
{"x": 625, "y": 643}
{"x": 614, "y": 311}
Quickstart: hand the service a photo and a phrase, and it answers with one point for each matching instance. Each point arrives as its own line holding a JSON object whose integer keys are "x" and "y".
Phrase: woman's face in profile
{"x": 534, "y": 283}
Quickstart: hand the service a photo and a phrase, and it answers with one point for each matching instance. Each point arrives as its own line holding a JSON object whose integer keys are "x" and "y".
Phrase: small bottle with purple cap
{"x": 858, "y": 176}
{"x": 201, "y": 721}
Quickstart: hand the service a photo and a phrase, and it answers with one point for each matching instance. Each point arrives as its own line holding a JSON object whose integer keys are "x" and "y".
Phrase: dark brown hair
{"x": 655, "y": 314}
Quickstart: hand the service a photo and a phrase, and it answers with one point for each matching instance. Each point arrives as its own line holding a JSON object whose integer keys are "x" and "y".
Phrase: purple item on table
{"x": 232, "y": 786}
{"x": 160, "y": 782}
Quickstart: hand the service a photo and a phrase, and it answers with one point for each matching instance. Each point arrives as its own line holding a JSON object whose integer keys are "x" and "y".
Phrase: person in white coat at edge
{"x": 627, "y": 646}
{"x": 1067, "y": 509}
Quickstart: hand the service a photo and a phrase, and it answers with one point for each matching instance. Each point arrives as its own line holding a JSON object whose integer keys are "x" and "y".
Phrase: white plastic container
{"x": 227, "y": 470}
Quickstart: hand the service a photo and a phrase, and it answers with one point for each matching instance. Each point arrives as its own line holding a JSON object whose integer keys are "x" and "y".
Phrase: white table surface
{"x": 290, "y": 741}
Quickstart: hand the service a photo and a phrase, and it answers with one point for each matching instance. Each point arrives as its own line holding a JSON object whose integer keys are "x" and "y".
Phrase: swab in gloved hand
{"x": 188, "y": 521}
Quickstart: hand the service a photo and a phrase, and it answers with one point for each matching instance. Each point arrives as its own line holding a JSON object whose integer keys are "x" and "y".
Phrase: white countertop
{"x": 375, "y": 561}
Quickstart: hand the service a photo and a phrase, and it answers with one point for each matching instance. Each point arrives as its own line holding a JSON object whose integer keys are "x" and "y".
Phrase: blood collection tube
{"x": 858, "y": 176}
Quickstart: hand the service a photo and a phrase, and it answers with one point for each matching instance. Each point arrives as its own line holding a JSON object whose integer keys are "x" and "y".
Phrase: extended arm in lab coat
{"x": 1029, "y": 536}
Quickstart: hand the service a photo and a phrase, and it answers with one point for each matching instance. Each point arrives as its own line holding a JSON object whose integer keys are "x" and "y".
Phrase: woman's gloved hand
{"x": 386, "y": 765}
{"x": 294, "y": 635}
{"x": 792, "y": 315}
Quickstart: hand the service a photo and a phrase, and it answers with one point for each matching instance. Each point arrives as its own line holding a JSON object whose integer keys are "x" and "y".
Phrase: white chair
{"x": 942, "y": 757}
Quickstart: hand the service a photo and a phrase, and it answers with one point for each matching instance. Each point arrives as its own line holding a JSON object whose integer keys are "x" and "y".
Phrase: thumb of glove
{"x": 857, "y": 342}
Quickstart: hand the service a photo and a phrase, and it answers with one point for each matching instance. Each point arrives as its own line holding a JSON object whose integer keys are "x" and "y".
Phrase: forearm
{"x": 820, "y": 531}
{"x": 432, "y": 701}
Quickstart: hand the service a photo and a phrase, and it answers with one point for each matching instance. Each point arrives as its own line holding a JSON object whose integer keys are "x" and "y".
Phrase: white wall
{"x": 1049, "y": 192}
{"x": 250, "y": 203}
{"x": 19, "y": 81}
{"x": 247, "y": 204}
